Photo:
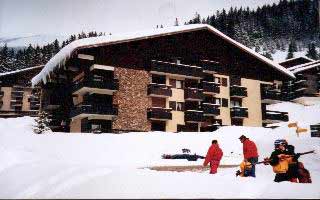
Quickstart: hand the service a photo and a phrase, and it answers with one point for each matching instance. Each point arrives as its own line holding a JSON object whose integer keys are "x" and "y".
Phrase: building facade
{"x": 17, "y": 97}
{"x": 306, "y": 86}
{"x": 189, "y": 78}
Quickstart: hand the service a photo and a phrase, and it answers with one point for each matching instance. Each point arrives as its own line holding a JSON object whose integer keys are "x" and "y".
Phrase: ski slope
{"x": 66, "y": 165}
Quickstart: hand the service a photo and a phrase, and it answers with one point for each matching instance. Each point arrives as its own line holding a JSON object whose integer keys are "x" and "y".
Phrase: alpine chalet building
{"x": 182, "y": 78}
{"x": 17, "y": 97}
{"x": 305, "y": 89}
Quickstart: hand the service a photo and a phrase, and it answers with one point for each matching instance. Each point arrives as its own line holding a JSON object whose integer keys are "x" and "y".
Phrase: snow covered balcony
{"x": 210, "y": 87}
{"x": 210, "y": 109}
{"x": 274, "y": 116}
{"x": 106, "y": 112}
{"x": 238, "y": 91}
{"x": 180, "y": 70}
{"x": 157, "y": 113}
{"x": 193, "y": 116}
{"x": 238, "y": 112}
{"x": 193, "y": 94}
{"x": 159, "y": 90}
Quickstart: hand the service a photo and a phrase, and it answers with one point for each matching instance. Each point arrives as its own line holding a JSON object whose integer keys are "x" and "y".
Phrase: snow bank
{"x": 66, "y": 165}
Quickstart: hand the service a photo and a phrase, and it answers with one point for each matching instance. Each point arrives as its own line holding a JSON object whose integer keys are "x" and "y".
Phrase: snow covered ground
{"x": 61, "y": 165}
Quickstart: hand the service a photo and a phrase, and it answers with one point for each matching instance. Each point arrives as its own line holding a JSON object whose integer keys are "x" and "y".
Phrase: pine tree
{"x": 42, "y": 123}
{"x": 290, "y": 52}
{"x": 56, "y": 47}
{"x": 312, "y": 52}
{"x": 176, "y": 23}
{"x": 267, "y": 55}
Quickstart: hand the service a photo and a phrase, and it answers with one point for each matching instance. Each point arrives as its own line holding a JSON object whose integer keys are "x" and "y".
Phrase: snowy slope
{"x": 61, "y": 165}
{"x": 280, "y": 56}
{"x": 24, "y": 41}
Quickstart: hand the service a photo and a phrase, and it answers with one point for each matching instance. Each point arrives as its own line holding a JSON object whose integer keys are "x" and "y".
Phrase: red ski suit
{"x": 213, "y": 156}
{"x": 249, "y": 149}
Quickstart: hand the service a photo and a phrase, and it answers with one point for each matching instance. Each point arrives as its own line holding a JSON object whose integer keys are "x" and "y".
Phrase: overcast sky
{"x": 64, "y": 17}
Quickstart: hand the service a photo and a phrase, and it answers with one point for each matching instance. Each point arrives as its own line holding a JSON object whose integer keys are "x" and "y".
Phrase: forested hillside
{"x": 293, "y": 24}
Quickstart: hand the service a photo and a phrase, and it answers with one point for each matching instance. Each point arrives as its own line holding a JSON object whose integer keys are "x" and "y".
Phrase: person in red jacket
{"x": 250, "y": 153}
{"x": 213, "y": 157}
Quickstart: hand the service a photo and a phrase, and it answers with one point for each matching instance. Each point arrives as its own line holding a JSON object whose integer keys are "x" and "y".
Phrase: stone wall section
{"x": 132, "y": 100}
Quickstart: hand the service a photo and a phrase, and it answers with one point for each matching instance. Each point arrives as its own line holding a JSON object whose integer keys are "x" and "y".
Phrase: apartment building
{"x": 17, "y": 97}
{"x": 306, "y": 86}
{"x": 184, "y": 78}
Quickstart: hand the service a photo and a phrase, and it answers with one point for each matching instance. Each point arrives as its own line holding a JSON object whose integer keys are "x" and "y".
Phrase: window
{"x": 172, "y": 105}
{"x": 217, "y": 101}
{"x": 176, "y": 106}
{"x": 217, "y": 80}
{"x": 179, "y": 84}
{"x": 172, "y": 82}
{"x": 180, "y": 106}
{"x": 235, "y": 103}
{"x": 224, "y": 82}
{"x": 224, "y": 102}
{"x": 96, "y": 128}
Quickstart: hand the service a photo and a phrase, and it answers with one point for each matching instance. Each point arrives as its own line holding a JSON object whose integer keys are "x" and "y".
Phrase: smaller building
{"x": 306, "y": 87}
{"x": 17, "y": 97}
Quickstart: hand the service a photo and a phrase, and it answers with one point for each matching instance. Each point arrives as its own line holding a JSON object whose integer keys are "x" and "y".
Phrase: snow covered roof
{"x": 303, "y": 67}
{"x": 300, "y": 57}
{"x": 20, "y": 70}
{"x": 64, "y": 54}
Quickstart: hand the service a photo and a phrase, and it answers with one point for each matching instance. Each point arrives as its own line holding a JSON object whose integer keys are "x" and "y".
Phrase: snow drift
{"x": 66, "y": 165}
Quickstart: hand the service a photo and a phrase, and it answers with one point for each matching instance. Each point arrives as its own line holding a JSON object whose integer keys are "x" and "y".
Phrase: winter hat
{"x": 280, "y": 142}
{"x": 242, "y": 137}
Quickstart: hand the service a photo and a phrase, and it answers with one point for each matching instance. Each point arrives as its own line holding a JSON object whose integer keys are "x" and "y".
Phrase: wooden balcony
{"x": 162, "y": 114}
{"x": 193, "y": 94}
{"x": 99, "y": 87}
{"x": 274, "y": 116}
{"x": 238, "y": 112}
{"x": 238, "y": 91}
{"x": 271, "y": 96}
{"x": 88, "y": 110}
{"x": 193, "y": 116}
{"x": 159, "y": 90}
{"x": 186, "y": 71}
{"x": 210, "y": 87}
{"x": 210, "y": 109}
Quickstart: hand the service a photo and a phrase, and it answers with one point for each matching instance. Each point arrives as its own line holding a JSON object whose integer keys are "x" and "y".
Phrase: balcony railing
{"x": 210, "y": 109}
{"x": 275, "y": 116}
{"x": 239, "y": 112}
{"x": 211, "y": 67}
{"x": 159, "y": 90}
{"x": 193, "y": 116}
{"x": 211, "y": 87}
{"x": 178, "y": 69}
{"x": 238, "y": 91}
{"x": 315, "y": 130}
{"x": 112, "y": 85}
{"x": 193, "y": 94}
{"x": 159, "y": 114}
{"x": 269, "y": 94}
{"x": 93, "y": 110}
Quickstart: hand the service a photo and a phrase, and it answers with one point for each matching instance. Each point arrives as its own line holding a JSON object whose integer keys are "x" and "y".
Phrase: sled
{"x": 187, "y": 168}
